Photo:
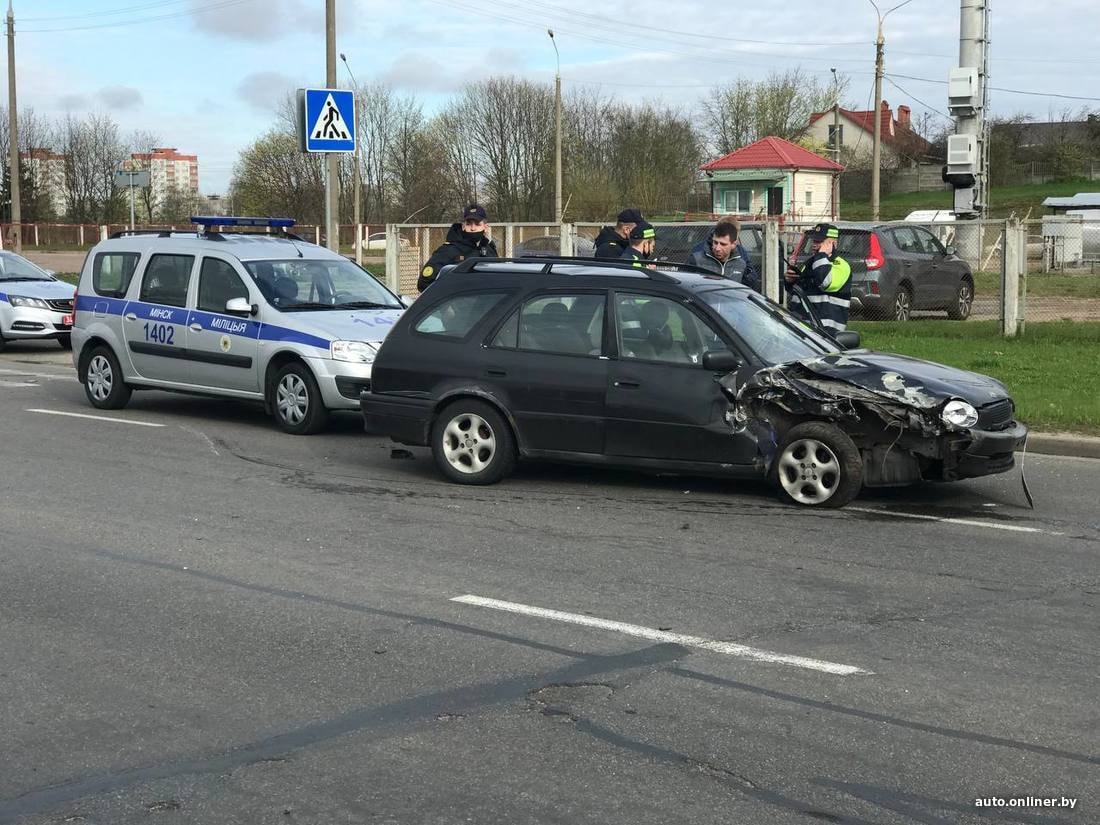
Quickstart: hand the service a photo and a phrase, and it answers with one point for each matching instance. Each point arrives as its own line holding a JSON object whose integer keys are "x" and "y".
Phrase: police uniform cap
{"x": 822, "y": 231}
{"x": 630, "y": 216}
{"x": 473, "y": 212}
{"x": 643, "y": 231}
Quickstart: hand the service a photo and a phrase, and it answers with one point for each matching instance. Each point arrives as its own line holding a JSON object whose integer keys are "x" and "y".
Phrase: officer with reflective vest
{"x": 642, "y": 240}
{"x": 826, "y": 278}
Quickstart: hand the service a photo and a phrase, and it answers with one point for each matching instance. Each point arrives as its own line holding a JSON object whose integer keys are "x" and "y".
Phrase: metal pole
{"x": 131, "y": 200}
{"x": 876, "y": 151}
{"x": 358, "y": 170}
{"x": 332, "y": 159}
{"x": 557, "y": 132}
{"x": 836, "y": 144}
{"x": 13, "y": 137}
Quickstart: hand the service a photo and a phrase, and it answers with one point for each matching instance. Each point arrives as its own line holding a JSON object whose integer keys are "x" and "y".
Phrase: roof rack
{"x": 548, "y": 265}
{"x": 160, "y": 233}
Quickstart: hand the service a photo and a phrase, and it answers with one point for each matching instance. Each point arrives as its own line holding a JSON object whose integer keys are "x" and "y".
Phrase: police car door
{"x": 222, "y": 346}
{"x": 155, "y": 325}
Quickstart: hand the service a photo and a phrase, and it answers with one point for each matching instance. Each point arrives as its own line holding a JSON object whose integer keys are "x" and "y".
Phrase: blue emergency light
{"x": 208, "y": 221}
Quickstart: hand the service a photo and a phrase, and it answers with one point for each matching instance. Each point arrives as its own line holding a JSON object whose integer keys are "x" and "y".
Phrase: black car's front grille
{"x": 62, "y": 305}
{"x": 995, "y": 416}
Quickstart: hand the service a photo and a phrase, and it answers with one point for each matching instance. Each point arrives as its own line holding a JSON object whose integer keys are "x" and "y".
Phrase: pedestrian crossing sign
{"x": 328, "y": 120}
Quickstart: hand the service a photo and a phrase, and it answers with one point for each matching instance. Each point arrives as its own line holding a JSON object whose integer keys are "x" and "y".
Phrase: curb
{"x": 1067, "y": 444}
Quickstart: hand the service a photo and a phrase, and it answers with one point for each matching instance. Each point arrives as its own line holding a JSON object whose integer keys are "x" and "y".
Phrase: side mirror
{"x": 721, "y": 360}
{"x": 950, "y": 251}
{"x": 240, "y": 306}
{"x": 848, "y": 339}
{"x": 49, "y": 272}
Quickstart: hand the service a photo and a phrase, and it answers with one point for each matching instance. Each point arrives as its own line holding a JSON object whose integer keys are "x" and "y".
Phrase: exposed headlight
{"x": 960, "y": 414}
{"x": 355, "y": 351}
{"x": 22, "y": 301}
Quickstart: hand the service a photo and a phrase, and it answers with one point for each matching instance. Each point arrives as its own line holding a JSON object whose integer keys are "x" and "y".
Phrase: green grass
{"x": 1002, "y": 201}
{"x": 1053, "y": 372}
{"x": 1043, "y": 285}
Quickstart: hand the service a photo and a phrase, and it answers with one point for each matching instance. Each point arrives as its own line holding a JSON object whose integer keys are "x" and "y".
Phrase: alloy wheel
{"x": 809, "y": 471}
{"x": 966, "y": 298}
{"x": 903, "y": 306}
{"x": 469, "y": 443}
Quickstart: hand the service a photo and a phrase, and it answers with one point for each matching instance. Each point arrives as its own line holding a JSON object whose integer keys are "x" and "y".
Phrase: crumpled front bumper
{"x": 977, "y": 453}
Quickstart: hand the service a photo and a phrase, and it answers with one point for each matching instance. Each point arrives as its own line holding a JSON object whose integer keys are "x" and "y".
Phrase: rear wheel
{"x": 817, "y": 466}
{"x": 903, "y": 303}
{"x": 472, "y": 443}
{"x": 103, "y": 384}
{"x": 964, "y": 302}
{"x": 296, "y": 399}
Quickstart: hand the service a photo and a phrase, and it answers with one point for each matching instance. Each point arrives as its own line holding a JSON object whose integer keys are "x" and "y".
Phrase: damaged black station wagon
{"x": 670, "y": 371}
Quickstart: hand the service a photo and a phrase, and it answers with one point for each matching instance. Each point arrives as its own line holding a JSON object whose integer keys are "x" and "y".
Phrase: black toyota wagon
{"x": 669, "y": 371}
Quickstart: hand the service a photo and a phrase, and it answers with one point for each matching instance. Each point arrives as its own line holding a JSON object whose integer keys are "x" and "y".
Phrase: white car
{"x": 377, "y": 241}
{"x": 34, "y": 305}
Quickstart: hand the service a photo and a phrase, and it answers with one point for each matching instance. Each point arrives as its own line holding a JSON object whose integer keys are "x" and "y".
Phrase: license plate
{"x": 67, "y": 321}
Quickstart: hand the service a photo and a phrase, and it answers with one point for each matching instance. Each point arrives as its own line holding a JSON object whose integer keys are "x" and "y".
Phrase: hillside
{"x": 1003, "y": 201}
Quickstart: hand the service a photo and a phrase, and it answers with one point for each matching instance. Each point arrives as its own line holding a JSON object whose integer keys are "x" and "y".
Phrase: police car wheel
{"x": 817, "y": 465}
{"x": 296, "y": 399}
{"x": 103, "y": 384}
{"x": 2, "y": 343}
{"x": 472, "y": 443}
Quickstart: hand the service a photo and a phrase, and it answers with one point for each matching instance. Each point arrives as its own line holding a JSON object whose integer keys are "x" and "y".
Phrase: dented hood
{"x": 920, "y": 383}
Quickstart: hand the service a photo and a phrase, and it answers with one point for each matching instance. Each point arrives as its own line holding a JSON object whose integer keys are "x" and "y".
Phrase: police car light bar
{"x": 208, "y": 221}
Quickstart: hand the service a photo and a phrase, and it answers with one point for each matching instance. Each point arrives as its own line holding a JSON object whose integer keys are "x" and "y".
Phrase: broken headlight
{"x": 959, "y": 413}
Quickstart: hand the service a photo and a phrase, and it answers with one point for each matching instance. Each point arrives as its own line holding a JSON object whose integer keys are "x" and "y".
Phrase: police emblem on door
{"x": 226, "y": 343}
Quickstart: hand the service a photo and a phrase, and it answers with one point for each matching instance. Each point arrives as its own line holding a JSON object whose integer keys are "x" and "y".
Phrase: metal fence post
{"x": 393, "y": 241}
{"x": 770, "y": 260}
{"x": 103, "y": 233}
{"x": 509, "y": 240}
{"x": 1010, "y": 278}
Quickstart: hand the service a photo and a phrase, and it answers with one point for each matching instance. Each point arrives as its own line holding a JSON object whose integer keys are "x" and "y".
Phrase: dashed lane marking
{"x": 652, "y": 634}
{"x": 968, "y": 522}
{"x": 96, "y": 417}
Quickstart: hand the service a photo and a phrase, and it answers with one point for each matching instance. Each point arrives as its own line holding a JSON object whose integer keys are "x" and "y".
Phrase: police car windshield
{"x": 14, "y": 268}
{"x": 300, "y": 284}
{"x": 770, "y": 331}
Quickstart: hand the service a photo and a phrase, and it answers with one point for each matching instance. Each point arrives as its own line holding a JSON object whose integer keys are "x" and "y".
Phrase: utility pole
{"x": 13, "y": 139}
{"x": 836, "y": 144}
{"x": 332, "y": 159}
{"x": 876, "y": 150}
{"x": 967, "y": 167}
{"x": 358, "y": 168}
{"x": 557, "y": 131}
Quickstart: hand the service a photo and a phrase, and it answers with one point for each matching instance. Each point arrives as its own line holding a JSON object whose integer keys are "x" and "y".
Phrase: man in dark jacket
{"x": 468, "y": 239}
{"x": 723, "y": 255}
{"x": 613, "y": 241}
{"x": 643, "y": 238}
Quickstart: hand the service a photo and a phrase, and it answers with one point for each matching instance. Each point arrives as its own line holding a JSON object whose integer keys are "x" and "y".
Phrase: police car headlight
{"x": 960, "y": 414}
{"x": 355, "y": 351}
{"x": 22, "y": 301}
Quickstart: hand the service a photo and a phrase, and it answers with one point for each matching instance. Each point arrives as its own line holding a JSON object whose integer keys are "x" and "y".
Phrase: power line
{"x": 151, "y": 19}
{"x": 1001, "y": 89}
{"x": 125, "y": 10}
{"x": 948, "y": 118}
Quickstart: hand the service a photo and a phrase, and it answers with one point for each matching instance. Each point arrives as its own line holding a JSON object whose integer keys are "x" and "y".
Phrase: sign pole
{"x": 332, "y": 159}
{"x": 131, "y": 200}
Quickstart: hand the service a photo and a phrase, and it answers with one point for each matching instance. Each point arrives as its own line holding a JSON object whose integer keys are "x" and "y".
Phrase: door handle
{"x": 908, "y": 263}
{"x": 195, "y": 327}
{"x": 627, "y": 385}
{"x": 130, "y": 316}
{"x": 496, "y": 373}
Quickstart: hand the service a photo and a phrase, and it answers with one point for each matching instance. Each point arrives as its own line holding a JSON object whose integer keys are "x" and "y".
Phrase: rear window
{"x": 456, "y": 316}
{"x": 850, "y": 245}
{"x": 112, "y": 272}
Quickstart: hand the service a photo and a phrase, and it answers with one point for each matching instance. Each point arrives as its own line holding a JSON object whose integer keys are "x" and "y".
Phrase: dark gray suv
{"x": 899, "y": 268}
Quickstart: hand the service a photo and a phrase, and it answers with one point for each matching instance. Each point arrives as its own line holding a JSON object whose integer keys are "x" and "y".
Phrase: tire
{"x": 65, "y": 341}
{"x": 903, "y": 304}
{"x": 296, "y": 400}
{"x": 835, "y": 474}
{"x": 961, "y": 307}
{"x": 472, "y": 443}
{"x": 102, "y": 379}
{"x": 3, "y": 343}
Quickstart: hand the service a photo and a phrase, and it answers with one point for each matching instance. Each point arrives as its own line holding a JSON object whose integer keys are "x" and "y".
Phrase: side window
{"x": 906, "y": 241}
{"x": 112, "y": 272}
{"x": 507, "y": 336}
{"x": 657, "y": 329}
{"x": 456, "y": 316}
{"x": 218, "y": 283}
{"x": 166, "y": 279}
{"x": 561, "y": 324}
{"x": 928, "y": 241}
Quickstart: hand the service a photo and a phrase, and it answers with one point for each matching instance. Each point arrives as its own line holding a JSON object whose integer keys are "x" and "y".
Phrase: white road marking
{"x": 727, "y": 648}
{"x": 991, "y": 525}
{"x": 49, "y": 375}
{"x": 19, "y": 384}
{"x": 96, "y": 417}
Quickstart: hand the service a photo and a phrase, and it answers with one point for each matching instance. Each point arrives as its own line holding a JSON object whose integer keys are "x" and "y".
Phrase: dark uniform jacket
{"x": 458, "y": 247}
{"x": 634, "y": 256}
{"x": 609, "y": 244}
{"x": 736, "y": 268}
{"x": 827, "y": 283}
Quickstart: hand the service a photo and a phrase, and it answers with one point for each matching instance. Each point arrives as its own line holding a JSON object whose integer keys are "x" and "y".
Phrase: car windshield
{"x": 15, "y": 268}
{"x": 775, "y": 335}
{"x": 301, "y": 284}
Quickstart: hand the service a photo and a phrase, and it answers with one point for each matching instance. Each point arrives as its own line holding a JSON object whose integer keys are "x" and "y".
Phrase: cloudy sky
{"x": 206, "y": 75}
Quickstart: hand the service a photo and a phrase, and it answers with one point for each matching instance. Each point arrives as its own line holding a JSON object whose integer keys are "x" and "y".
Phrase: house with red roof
{"x": 900, "y": 144}
{"x": 774, "y": 177}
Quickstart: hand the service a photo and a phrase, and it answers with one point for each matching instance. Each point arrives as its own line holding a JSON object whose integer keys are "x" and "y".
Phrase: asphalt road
{"x": 207, "y": 621}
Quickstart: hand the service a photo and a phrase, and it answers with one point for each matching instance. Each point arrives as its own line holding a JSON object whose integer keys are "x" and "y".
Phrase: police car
{"x": 261, "y": 315}
{"x": 34, "y": 305}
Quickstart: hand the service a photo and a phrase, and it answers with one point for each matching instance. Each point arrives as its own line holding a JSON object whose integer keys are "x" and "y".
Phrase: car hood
{"x": 923, "y": 384}
{"x": 369, "y": 325}
{"x": 52, "y": 290}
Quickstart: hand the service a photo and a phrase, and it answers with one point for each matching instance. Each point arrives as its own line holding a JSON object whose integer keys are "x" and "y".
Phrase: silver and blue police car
{"x": 34, "y": 305}
{"x": 261, "y": 315}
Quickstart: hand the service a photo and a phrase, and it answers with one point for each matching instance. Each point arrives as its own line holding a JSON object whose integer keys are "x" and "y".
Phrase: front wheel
{"x": 299, "y": 408}
{"x": 964, "y": 302}
{"x": 102, "y": 378}
{"x": 472, "y": 443}
{"x": 817, "y": 466}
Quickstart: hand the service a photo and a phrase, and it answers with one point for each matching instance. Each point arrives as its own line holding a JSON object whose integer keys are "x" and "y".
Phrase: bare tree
{"x": 142, "y": 142}
{"x": 273, "y": 177}
{"x": 93, "y": 152}
{"x": 38, "y": 182}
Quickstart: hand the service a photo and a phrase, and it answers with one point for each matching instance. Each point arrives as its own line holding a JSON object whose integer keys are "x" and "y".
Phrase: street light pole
{"x": 836, "y": 144}
{"x": 557, "y": 131}
{"x": 876, "y": 151}
{"x": 13, "y": 139}
{"x": 358, "y": 171}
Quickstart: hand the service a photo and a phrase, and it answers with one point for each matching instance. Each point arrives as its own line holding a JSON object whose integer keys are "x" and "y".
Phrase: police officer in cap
{"x": 643, "y": 238}
{"x": 467, "y": 239}
{"x": 613, "y": 241}
{"x": 826, "y": 278}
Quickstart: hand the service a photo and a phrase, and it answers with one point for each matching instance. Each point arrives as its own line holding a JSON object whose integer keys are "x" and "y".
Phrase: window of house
{"x": 737, "y": 201}
{"x": 809, "y": 197}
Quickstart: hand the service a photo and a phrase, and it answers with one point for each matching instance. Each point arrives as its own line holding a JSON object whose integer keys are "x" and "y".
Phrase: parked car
{"x": 669, "y": 371}
{"x": 267, "y": 317}
{"x": 547, "y": 246}
{"x": 675, "y": 243}
{"x": 34, "y": 305}
{"x": 376, "y": 241}
{"x": 898, "y": 268}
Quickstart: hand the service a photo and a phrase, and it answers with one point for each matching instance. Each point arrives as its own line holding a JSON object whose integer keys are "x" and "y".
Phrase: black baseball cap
{"x": 630, "y": 216}
{"x": 643, "y": 231}
{"x": 822, "y": 231}
{"x": 473, "y": 212}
